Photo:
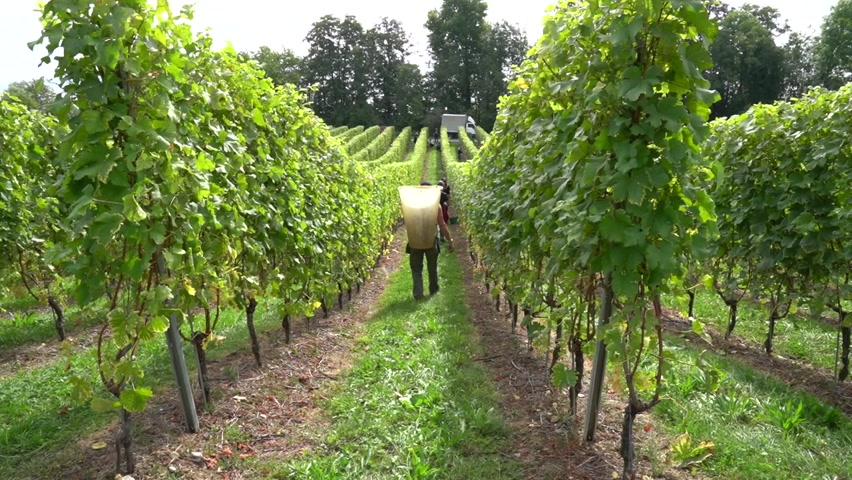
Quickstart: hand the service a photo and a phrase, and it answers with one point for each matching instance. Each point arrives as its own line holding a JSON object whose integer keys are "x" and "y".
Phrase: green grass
{"x": 34, "y": 324}
{"x": 795, "y": 337}
{"x": 32, "y": 429}
{"x": 14, "y": 303}
{"x": 756, "y": 424}
{"x": 435, "y": 167}
{"x": 414, "y": 405}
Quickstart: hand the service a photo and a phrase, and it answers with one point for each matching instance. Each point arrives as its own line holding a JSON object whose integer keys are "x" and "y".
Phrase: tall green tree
{"x": 457, "y": 43}
{"x": 362, "y": 76}
{"x": 337, "y": 65}
{"x": 35, "y": 94}
{"x": 471, "y": 59}
{"x": 506, "y": 45}
{"x": 387, "y": 46}
{"x": 717, "y": 9}
{"x": 769, "y": 17}
{"x": 410, "y": 98}
{"x": 748, "y": 65}
{"x": 800, "y": 66}
{"x": 834, "y": 47}
{"x": 282, "y": 66}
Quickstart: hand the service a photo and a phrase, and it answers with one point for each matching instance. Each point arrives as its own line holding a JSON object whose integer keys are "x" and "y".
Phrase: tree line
{"x": 752, "y": 66}
{"x": 364, "y": 76}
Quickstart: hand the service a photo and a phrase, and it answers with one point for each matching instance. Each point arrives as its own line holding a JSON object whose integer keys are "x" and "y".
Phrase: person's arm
{"x": 445, "y": 230}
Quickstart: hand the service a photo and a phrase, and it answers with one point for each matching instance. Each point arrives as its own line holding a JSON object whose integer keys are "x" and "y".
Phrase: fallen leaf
{"x": 648, "y": 427}
{"x": 99, "y": 445}
{"x": 244, "y": 456}
{"x": 226, "y": 451}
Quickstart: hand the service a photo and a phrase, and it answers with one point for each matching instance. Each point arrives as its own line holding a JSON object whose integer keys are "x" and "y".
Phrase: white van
{"x": 454, "y": 122}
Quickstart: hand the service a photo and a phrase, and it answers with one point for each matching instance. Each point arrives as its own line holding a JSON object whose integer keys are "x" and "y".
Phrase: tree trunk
{"x": 324, "y": 308}
{"x": 767, "y": 345}
{"x": 339, "y": 296}
{"x": 497, "y": 301}
{"x": 844, "y": 356}
{"x": 732, "y": 322}
{"x": 201, "y": 355}
{"x": 255, "y": 345}
{"x": 58, "y": 317}
{"x": 349, "y": 294}
{"x": 557, "y": 346}
{"x": 579, "y": 365}
{"x": 514, "y": 308}
{"x": 627, "y": 449}
{"x": 124, "y": 440}
{"x": 285, "y": 324}
{"x": 691, "y": 294}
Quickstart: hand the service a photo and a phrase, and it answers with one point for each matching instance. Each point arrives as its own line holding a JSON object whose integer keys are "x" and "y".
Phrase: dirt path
{"x": 545, "y": 437}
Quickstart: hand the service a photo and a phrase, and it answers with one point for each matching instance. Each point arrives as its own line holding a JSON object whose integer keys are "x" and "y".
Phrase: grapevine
{"x": 593, "y": 173}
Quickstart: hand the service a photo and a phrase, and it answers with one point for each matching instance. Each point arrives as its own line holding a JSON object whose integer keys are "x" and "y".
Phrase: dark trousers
{"x": 415, "y": 259}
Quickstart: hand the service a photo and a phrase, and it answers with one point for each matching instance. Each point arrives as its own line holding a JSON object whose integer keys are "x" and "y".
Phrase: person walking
{"x": 445, "y": 204}
{"x": 415, "y": 258}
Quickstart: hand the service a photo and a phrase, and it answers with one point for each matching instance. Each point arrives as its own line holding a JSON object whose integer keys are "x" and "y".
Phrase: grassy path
{"x": 414, "y": 404}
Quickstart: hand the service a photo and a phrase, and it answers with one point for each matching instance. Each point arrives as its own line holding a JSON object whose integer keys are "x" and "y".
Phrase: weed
{"x": 788, "y": 417}
{"x": 234, "y": 433}
{"x": 760, "y": 428}
{"x": 735, "y": 406}
{"x": 232, "y": 373}
{"x": 686, "y": 453}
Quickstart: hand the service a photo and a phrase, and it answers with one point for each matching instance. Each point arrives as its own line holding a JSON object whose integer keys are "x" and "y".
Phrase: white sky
{"x": 248, "y": 24}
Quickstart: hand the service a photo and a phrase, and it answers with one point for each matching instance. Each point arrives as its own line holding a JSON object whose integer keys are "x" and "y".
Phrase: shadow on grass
{"x": 399, "y": 308}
